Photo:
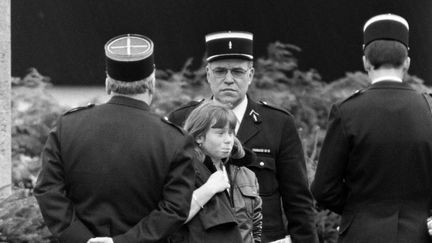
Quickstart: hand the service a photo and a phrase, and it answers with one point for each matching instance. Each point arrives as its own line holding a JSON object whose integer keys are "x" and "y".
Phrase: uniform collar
{"x": 388, "y": 84}
{"x": 128, "y": 101}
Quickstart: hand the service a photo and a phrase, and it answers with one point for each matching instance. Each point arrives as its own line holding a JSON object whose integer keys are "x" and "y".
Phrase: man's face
{"x": 229, "y": 80}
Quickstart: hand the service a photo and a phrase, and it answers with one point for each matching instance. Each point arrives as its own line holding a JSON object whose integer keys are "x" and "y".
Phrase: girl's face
{"x": 217, "y": 142}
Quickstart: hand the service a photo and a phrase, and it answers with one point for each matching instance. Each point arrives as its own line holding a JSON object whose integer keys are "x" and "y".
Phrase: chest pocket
{"x": 265, "y": 171}
{"x": 247, "y": 200}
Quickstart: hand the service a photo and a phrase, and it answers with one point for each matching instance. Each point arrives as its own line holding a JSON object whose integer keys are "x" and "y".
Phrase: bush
{"x": 21, "y": 220}
{"x": 34, "y": 113}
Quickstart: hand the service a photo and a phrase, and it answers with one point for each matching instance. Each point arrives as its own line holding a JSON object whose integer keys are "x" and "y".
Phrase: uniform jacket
{"x": 230, "y": 217}
{"x": 375, "y": 166}
{"x": 115, "y": 170}
{"x": 280, "y": 168}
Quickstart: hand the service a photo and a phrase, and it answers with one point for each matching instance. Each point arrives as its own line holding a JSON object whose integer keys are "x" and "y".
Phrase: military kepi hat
{"x": 129, "y": 57}
{"x": 230, "y": 44}
{"x": 386, "y": 27}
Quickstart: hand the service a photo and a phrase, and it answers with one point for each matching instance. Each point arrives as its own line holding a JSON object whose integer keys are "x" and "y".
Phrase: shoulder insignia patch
{"x": 354, "y": 94}
{"x": 167, "y": 121}
{"x": 266, "y": 104}
{"x": 90, "y": 105}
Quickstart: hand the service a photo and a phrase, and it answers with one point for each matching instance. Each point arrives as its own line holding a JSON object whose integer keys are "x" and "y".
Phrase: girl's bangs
{"x": 222, "y": 118}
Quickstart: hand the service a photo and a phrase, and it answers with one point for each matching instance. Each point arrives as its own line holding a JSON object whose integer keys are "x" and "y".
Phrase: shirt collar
{"x": 387, "y": 78}
{"x": 239, "y": 111}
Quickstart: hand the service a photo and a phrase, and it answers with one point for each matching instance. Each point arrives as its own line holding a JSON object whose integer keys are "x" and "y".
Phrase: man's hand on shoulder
{"x": 101, "y": 240}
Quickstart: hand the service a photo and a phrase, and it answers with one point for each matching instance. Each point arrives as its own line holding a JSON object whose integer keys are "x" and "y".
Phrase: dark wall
{"x": 64, "y": 39}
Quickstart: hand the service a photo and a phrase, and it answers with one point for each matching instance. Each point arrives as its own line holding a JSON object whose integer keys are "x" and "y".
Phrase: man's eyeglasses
{"x": 235, "y": 72}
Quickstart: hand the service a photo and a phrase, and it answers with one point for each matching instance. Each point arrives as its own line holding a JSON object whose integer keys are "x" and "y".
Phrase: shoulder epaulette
{"x": 90, "y": 105}
{"x": 353, "y": 95}
{"x": 266, "y": 104}
{"x": 167, "y": 121}
{"x": 190, "y": 104}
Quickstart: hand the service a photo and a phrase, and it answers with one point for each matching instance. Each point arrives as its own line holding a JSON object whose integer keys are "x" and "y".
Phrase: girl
{"x": 226, "y": 206}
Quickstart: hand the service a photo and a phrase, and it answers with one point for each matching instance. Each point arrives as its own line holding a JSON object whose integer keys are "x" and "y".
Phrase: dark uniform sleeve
{"x": 296, "y": 197}
{"x": 328, "y": 186}
{"x": 56, "y": 208}
{"x": 174, "y": 207}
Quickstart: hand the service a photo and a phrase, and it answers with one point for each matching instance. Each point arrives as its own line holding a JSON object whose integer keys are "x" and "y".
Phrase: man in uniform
{"x": 117, "y": 170}
{"x": 375, "y": 166}
{"x": 269, "y": 131}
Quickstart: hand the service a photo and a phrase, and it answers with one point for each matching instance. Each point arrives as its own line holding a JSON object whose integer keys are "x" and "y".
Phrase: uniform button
{"x": 262, "y": 163}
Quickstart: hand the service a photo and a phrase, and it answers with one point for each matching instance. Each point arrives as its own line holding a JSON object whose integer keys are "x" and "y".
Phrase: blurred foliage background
{"x": 277, "y": 80}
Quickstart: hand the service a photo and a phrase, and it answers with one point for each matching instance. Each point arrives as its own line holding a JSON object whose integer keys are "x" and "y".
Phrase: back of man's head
{"x": 131, "y": 88}
{"x": 386, "y": 54}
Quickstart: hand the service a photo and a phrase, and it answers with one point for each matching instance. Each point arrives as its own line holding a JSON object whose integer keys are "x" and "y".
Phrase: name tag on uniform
{"x": 261, "y": 150}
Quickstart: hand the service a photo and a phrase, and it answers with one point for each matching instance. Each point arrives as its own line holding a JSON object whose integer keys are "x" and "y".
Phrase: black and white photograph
{"x": 282, "y": 121}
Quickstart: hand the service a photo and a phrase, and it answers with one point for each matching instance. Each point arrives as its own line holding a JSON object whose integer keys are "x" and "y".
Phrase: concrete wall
{"x": 5, "y": 100}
